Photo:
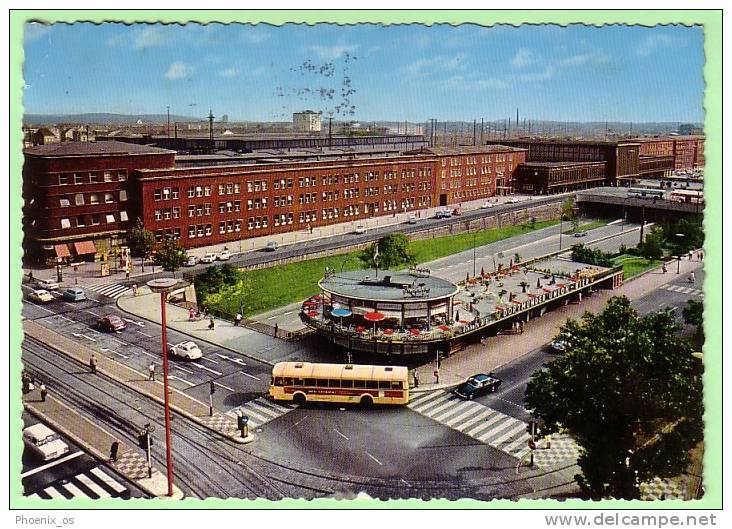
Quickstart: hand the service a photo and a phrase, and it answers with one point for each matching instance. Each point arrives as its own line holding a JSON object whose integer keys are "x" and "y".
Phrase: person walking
{"x": 237, "y": 319}
{"x": 211, "y": 324}
{"x": 692, "y": 277}
{"x": 93, "y": 364}
{"x": 44, "y": 392}
{"x": 663, "y": 268}
{"x": 127, "y": 274}
{"x": 276, "y": 329}
{"x": 134, "y": 289}
{"x": 151, "y": 371}
{"x": 191, "y": 314}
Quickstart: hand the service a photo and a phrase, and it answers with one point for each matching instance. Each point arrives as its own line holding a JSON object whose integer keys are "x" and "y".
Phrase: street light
{"x": 473, "y": 254}
{"x": 679, "y": 237}
{"x": 165, "y": 286}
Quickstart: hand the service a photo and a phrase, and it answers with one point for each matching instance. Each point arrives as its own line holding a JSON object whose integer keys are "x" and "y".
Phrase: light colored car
{"x": 412, "y": 219}
{"x": 513, "y": 200}
{"x": 48, "y": 284}
{"x": 443, "y": 214}
{"x": 44, "y": 442}
{"x": 271, "y": 246}
{"x": 74, "y": 294}
{"x": 225, "y": 255}
{"x": 186, "y": 350}
{"x": 40, "y": 296}
{"x": 360, "y": 229}
{"x": 209, "y": 258}
{"x": 486, "y": 205}
{"x": 191, "y": 261}
{"x": 580, "y": 234}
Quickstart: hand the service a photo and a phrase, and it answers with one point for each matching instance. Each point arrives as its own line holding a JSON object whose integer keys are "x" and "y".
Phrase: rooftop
{"x": 465, "y": 149}
{"x": 389, "y": 286}
{"x": 561, "y": 164}
{"x": 93, "y": 148}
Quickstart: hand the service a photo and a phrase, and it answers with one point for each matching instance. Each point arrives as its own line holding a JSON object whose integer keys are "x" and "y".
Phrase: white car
{"x": 40, "y": 296}
{"x": 412, "y": 219}
{"x": 185, "y": 350}
{"x": 209, "y": 258}
{"x": 360, "y": 229}
{"x": 486, "y": 205}
{"x": 48, "y": 284}
{"x": 513, "y": 200}
{"x": 191, "y": 261}
{"x": 44, "y": 442}
{"x": 224, "y": 255}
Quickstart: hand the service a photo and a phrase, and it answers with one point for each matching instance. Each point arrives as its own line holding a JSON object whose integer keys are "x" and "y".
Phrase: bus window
{"x": 384, "y": 384}
{"x": 322, "y": 383}
{"x": 309, "y": 381}
{"x": 297, "y": 382}
{"x": 278, "y": 381}
{"x": 346, "y": 383}
{"x": 334, "y": 383}
{"x": 372, "y": 384}
{"x": 396, "y": 384}
{"x": 288, "y": 381}
{"x": 359, "y": 384}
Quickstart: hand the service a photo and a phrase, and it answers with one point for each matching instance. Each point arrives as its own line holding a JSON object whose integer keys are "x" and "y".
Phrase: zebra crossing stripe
{"x": 92, "y": 486}
{"x": 470, "y": 424}
{"x": 509, "y": 435}
{"x": 521, "y": 442}
{"x": 491, "y": 417}
{"x": 464, "y": 415}
{"x": 107, "y": 480}
{"x": 263, "y": 409}
{"x": 75, "y": 491}
{"x": 424, "y": 397}
{"x": 252, "y": 423}
{"x": 35, "y": 497}
{"x": 434, "y": 412}
{"x": 422, "y": 406}
{"x": 443, "y": 416}
{"x": 487, "y": 435}
{"x": 54, "y": 493}
{"x": 277, "y": 408}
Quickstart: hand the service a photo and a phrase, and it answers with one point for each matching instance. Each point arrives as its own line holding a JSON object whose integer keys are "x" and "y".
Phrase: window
{"x": 122, "y": 195}
{"x": 110, "y": 218}
{"x": 199, "y": 191}
{"x": 207, "y": 191}
{"x": 63, "y": 179}
{"x": 158, "y": 195}
{"x": 191, "y": 192}
{"x": 93, "y": 178}
{"x": 222, "y": 189}
{"x": 123, "y": 216}
{"x": 107, "y": 176}
{"x": 108, "y": 198}
{"x": 208, "y": 229}
{"x": 65, "y": 202}
{"x": 222, "y": 227}
{"x": 158, "y": 214}
{"x": 191, "y": 211}
{"x": 166, "y": 193}
{"x": 191, "y": 232}
{"x": 121, "y": 175}
{"x": 65, "y": 223}
{"x": 236, "y": 187}
{"x": 80, "y": 221}
{"x": 94, "y": 220}
{"x": 78, "y": 179}
{"x": 207, "y": 209}
{"x": 176, "y": 193}
{"x": 79, "y": 199}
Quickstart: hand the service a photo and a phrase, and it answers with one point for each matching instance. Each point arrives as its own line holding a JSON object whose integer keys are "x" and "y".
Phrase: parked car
{"x": 477, "y": 385}
{"x": 580, "y": 234}
{"x": 360, "y": 229}
{"x": 486, "y": 205}
{"x": 48, "y": 284}
{"x": 412, "y": 219}
{"x": 209, "y": 258}
{"x": 111, "y": 323}
{"x": 443, "y": 214}
{"x": 186, "y": 350}
{"x": 225, "y": 255}
{"x": 513, "y": 200}
{"x": 40, "y": 296}
{"x": 561, "y": 343}
{"x": 192, "y": 260}
{"x": 271, "y": 246}
{"x": 74, "y": 294}
{"x": 44, "y": 442}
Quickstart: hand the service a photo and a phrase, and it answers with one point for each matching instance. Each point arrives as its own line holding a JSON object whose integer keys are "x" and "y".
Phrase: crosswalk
{"x": 93, "y": 483}
{"x": 261, "y": 411}
{"x": 111, "y": 290}
{"x": 484, "y": 424}
{"x": 684, "y": 290}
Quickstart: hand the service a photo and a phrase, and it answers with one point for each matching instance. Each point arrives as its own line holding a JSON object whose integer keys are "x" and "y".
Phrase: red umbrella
{"x": 414, "y": 331}
{"x": 360, "y": 328}
{"x": 310, "y": 303}
{"x": 374, "y": 317}
{"x": 313, "y": 313}
{"x": 389, "y": 331}
{"x": 317, "y": 296}
{"x": 444, "y": 328}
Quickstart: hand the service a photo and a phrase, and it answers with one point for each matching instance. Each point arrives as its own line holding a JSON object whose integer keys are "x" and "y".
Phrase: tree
{"x": 693, "y": 314}
{"x": 692, "y": 234}
{"x": 141, "y": 241}
{"x": 393, "y": 252}
{"x": 170, "y": 255}
{"x": 627, "y": 389}
{"x": 652, "y": 247}
{"x": 568, "y": 209}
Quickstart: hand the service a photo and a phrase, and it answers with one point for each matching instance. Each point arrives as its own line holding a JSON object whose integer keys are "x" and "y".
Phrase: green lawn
{"x": 634, "y": 265}
{"x": 588, "y": 226}
{"x": 268, "y": 288}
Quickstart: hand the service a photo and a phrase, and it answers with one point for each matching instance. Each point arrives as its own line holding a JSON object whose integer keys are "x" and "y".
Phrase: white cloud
{"x": 593, "y": 57}
{"x": 535, "y": 77}
{"x": 35, "y": 30}
{"x": 436, "y": 65}
{"x": 330, "y": 53}
{"x": 179, "y": 70}
{"x": 651, "y": 43}
{"x": 150, "y": 37}
{"x": 524, "y": 57}
{"x": 230, "y": 72}
{"x": 255, "y": 35}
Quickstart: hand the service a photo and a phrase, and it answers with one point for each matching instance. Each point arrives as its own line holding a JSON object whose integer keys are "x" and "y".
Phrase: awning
{"x": 85, "y": 248}
{"x": 62, "y": 250}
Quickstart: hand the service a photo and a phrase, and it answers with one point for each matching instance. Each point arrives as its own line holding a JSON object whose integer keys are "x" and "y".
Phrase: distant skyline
{"x": 368, "y": 72}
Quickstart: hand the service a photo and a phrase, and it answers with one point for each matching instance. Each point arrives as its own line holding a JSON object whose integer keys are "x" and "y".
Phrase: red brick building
{"x": 546, "y": 178}
{"x": 78, "y": 198}
{"x": 687, "y": 151}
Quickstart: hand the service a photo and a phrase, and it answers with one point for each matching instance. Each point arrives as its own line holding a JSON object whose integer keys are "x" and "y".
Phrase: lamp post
{"x": 165, "y": 286}
{"x": 473, "y": 254}
{"x": 561, "y": 228}
{"x": 679, "y": 238}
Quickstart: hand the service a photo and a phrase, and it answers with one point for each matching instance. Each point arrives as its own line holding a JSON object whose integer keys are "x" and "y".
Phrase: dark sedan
{"x": 111, "y": 323}
{"x": 477, "y": 385}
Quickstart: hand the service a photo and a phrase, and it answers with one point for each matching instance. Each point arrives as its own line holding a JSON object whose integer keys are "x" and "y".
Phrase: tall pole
{"x": 561, "y": 224}
{"x": 168, "y": 108}
{"x": 473, "y": 254}
{"x": 168, "y": 451}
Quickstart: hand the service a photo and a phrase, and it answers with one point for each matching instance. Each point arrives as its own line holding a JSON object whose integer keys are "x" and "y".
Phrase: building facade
{"x": 687, "y": 151}
{"x": 546, "y": 178}
{"x": 78, "y": 198}
{"x": 307, "y": 121}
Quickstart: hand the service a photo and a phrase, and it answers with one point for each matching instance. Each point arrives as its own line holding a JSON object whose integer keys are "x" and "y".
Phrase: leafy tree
{"x": 141, "y": 241}
{"x": 597, "y": 257}
{"x": 693, "y": 314}
{"x": 393, "y": 252}
{"x": 652, "y": 247}
{"x": 575, "y": 224}
{"x": 627, "y": 389}
{"x": 170, "y": 255}
{"x": 692, "y": 232}
{"x": 568, "y": 209}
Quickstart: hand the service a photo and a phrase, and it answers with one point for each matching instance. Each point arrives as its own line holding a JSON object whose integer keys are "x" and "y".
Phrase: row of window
{"x": 470, "y": 193}
{"x": 307, "y": 198}
{"x": 173, "y": 193}
{"x": 473, "y": 160}
{"x": 93, "y": 177}
{"x": 80, "y": 221}
{"x": 81, "y": 199}
{"x": 170, "y": 233}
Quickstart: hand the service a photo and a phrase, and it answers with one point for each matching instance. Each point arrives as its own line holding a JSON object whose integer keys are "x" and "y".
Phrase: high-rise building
{"x": 307, "y": 121}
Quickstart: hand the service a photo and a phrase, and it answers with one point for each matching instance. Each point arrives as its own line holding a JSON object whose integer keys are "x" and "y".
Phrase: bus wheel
{"x": 299, "y": 399}
{"x": 367, "y": 401}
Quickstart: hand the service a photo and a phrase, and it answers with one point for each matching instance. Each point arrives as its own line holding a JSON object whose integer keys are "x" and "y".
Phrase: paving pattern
{"x": 683, "y": 290}
{"x": 93, "y": 483}
{"x": 261, "y": 411}
{"x": 111, "y": 290}
{"x": 662, "y": 489}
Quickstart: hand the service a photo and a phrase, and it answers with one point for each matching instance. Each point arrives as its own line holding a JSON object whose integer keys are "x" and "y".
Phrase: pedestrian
{"x": 237, "y": 319}
{"x": 277, "y": 329}
{"x": 692, "y": 277}
{"x": 93, "y": 364}
{"x": 134, "y": 289}
{"x": 416, "y": 380}
{"x": 211, "y": 323}
{"x": 690, "y": 255}
{"x": 205, "y": 312}
{"x": 663, "y": 267}
{"x": 191, "y": 314}
{"x": 30, "y": 276}
{"x": 151, "y": 371}
{"x": 521, "y": 327}
{"x": 127, "y": 274}
{"x": 44, "y": 392}
{"x": 26, "y": 383}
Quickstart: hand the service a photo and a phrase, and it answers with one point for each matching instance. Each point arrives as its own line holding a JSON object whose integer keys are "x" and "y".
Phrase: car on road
{"x": 456, "y": 212}
{"x": 225, "y": 255}
{"x": 513, "y": 200}
{"x": 271, "y": 246}
{"x": 486, "y": 205}
{"x": 40, "y": 296}
{"x": 110, "y": 323}
{"x": 360, "y": 229}
{"x": 187, "y": 350}
{"x": 48, "y": 284}
{"x": 209, "y": 258}
{"x": 412, "y": 219}
{"x": 477, "y": 385}
{"x": 74, "y": 294}
{"x": 191, "y": 261}
{"x": 443, "y": 214}
{"x": 580, "y": 234}
{"x": 44, "y": 442}
{"x": 561, "y": 343}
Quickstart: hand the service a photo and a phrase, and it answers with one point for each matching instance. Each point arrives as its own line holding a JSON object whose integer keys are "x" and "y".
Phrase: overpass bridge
{"x": 615, "y": 201}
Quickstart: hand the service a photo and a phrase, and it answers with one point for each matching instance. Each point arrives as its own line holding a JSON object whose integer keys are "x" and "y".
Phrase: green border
{"x": 711, "y": 20}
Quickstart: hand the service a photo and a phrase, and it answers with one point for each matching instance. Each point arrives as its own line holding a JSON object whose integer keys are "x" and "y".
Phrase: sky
{"x": 368, "y": 72}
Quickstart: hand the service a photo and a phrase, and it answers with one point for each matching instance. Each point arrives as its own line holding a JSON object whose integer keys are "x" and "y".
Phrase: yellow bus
{"x": 303, "y": 382}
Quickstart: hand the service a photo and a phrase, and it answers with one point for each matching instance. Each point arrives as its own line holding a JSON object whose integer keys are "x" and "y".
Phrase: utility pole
{"x": 330, "y": 132}
{"x": 474, "y": 130}
{"x": 482, "y": 130}
{"x": 168, "y": 108}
